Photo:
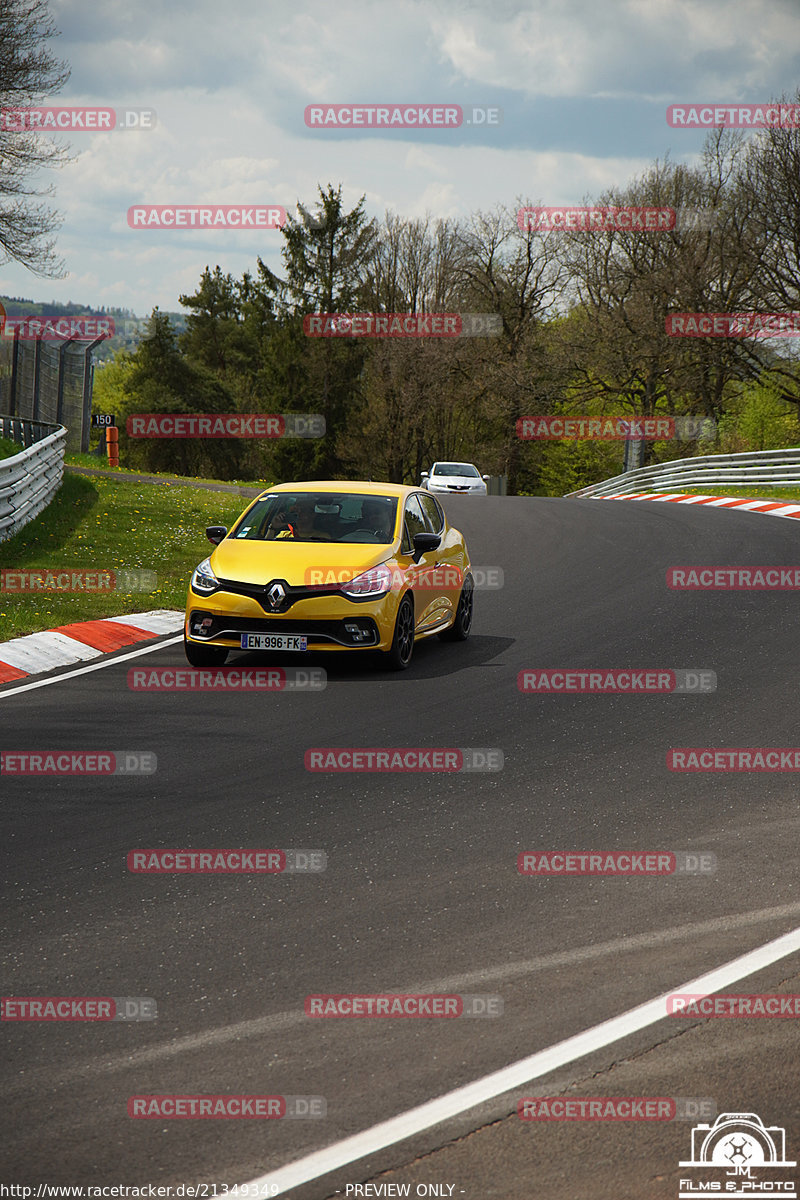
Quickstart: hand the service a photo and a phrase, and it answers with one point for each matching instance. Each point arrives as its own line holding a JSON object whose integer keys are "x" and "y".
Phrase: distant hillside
{"x": 130, "y": 328}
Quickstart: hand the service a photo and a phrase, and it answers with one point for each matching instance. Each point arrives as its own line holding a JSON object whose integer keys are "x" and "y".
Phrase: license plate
{"x": 273, "y": 641}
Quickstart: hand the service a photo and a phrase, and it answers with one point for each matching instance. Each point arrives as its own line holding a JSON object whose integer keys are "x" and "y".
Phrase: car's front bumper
{"x": 331, "y": 622}
{"x": 457, "y": 491}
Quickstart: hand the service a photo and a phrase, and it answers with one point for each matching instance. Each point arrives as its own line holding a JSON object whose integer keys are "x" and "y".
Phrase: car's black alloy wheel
{"x": 459, "y": 630}
{"x": 399, "y": 656}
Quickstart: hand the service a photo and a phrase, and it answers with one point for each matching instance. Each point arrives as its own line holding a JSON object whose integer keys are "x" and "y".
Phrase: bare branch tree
{"x": 29, "y": 73}
{"x": 769, "y": 185}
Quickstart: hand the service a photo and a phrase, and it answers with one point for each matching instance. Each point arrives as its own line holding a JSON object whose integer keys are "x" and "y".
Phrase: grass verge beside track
{"x": 98, "y": 463}
{"x": 101, "y": 525}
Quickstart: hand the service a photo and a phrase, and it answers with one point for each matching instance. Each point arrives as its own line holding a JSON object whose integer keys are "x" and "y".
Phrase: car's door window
{"x": 431, "y": 511}
{"x": 414, "y": 517}
{"x": 414, "y": 522}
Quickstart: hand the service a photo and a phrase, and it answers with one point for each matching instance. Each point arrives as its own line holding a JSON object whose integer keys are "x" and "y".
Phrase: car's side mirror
{"x": 486, "y": 477}
{"x": 424, "y": 542}
{"x": 215, "y": 533}
{"x": 424, "y": 474}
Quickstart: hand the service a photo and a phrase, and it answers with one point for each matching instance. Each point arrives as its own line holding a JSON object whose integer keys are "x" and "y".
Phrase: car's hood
{"x": 301, "y": 564}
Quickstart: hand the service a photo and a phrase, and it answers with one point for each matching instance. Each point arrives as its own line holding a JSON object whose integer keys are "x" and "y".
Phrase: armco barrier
{"x": 772, "y": 468}
{"x": 30, "y": 479}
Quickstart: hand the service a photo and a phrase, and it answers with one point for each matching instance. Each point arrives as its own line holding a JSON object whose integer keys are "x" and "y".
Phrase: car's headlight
{"x": 374, "y": 582}
{"x": 204, "y": 580}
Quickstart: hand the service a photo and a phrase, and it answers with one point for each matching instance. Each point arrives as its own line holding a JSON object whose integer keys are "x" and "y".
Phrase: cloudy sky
{"x": 583, "y": 87}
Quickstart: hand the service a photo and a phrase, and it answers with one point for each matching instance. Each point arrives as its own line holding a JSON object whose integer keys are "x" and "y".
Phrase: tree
{"x": 214, "y": 334}
{"x": 28, "y": 74}
{"x": 514, "y": 275}
{"x": 628, "y": 282}
{"x": 324, "y": 256}
{"x": 412, "y": 407}
{"x": 159, "y": 379}
{"x": 769, "y": 185}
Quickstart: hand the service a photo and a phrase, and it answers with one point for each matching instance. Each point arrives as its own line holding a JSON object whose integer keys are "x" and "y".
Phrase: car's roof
{"x": 453, "y": 462}
{"x": 355, "y": 487}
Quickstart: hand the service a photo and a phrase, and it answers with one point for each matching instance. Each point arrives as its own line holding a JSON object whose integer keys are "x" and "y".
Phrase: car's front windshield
{"x": 456, "y": 469}
{"x": 319, "y": 517}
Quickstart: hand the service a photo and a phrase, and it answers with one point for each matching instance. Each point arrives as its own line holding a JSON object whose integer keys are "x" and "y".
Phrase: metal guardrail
{"x": 775, "y": 468}
{"x": 30, "y": 479}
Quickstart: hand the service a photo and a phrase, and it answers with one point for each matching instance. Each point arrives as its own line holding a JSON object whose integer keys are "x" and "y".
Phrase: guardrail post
{"x": 12, "y": 405}
{"x": 62, "y": 350}
{"x": 37, "y": 366}
{"x": 634, "y": 454}
{"x": 88, "y": 379}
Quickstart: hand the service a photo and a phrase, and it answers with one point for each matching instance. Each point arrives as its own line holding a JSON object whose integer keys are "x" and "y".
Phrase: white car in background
{"x": 452, "y": 478}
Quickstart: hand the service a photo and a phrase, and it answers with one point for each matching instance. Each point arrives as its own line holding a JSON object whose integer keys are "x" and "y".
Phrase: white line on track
{"x": 107, "y": 662}
{"x": 452, "y": 1104}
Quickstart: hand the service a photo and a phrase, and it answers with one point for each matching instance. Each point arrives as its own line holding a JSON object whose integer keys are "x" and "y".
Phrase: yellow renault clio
{"x": 331, "y": 566}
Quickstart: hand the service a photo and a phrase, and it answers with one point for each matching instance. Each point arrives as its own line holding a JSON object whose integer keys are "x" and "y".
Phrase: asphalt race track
{"x": 421, "y": 891}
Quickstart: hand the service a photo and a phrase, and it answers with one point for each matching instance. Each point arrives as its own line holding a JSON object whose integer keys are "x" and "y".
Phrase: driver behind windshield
{"x": 297, "y": 521}
{"x": 377, "y": 518}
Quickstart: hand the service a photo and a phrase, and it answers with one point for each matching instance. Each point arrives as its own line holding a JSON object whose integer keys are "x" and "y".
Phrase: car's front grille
{"x": 260, "y": 593}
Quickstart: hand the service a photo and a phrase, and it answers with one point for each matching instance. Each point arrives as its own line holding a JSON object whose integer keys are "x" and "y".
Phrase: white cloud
{"x": 230, "y": 87}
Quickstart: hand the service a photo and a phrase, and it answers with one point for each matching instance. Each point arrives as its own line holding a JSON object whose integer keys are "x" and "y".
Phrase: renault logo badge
{"x": 276, "y": 595}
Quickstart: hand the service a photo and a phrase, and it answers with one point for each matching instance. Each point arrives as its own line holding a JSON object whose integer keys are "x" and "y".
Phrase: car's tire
{"x": 459, "y": 630}
{"x": 398, "y": 657}
{"x": 204, "y": 656}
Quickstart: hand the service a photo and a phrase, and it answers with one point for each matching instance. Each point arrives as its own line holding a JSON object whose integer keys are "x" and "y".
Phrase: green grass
{"x": 790, "y": 494}
{"x": 8, "y": 448}
{"x": 94, "y": 460}
{"x": 100, "y": 524}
